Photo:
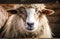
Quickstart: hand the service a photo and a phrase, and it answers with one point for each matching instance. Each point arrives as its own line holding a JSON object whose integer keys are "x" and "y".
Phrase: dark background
{"x": 28, "y": 1}
{"x": 54, "y": 19}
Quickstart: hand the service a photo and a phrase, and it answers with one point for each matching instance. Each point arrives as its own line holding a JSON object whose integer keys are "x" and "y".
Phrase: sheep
{"x": 3, "y": 16}
{"x": 29, "y": 21}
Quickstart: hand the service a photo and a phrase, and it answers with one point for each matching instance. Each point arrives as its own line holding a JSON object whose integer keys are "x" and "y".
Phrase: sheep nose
{"x": 30, "y": 24}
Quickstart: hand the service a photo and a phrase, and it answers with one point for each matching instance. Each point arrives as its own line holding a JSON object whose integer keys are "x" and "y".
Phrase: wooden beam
{"x": 52, "y": 5}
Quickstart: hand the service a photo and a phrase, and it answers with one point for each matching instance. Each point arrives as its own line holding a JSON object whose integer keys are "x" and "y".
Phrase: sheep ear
{"x": 12, "y": 11}
{"x": 47, "y": 11}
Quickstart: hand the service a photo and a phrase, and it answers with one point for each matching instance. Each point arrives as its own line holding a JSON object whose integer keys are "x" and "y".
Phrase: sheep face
{"x": 30, "y": 21}
{"x": 32, "y": 17}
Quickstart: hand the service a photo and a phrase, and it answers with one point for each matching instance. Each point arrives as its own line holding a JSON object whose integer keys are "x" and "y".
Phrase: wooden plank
{"x": 55, "y": 27}
{"x": 54, "y": 19}
{"x": 52, "y": 5}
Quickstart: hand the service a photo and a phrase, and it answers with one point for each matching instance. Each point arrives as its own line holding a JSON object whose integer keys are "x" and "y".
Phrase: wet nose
{"x": 30, "y": 24}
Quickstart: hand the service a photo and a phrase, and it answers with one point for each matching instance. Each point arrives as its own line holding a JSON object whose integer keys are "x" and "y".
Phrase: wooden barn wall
{"x": 54, "y": 19}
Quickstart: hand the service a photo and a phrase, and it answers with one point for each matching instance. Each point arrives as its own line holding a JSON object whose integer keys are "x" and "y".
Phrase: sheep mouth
{"x": 30, "y": 28}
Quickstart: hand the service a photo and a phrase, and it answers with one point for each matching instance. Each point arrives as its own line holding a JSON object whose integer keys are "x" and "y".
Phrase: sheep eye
{"x": 39, "y": 11}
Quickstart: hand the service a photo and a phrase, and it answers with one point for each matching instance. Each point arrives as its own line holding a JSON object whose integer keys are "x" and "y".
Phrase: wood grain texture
{"x": 54, "y": 19}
